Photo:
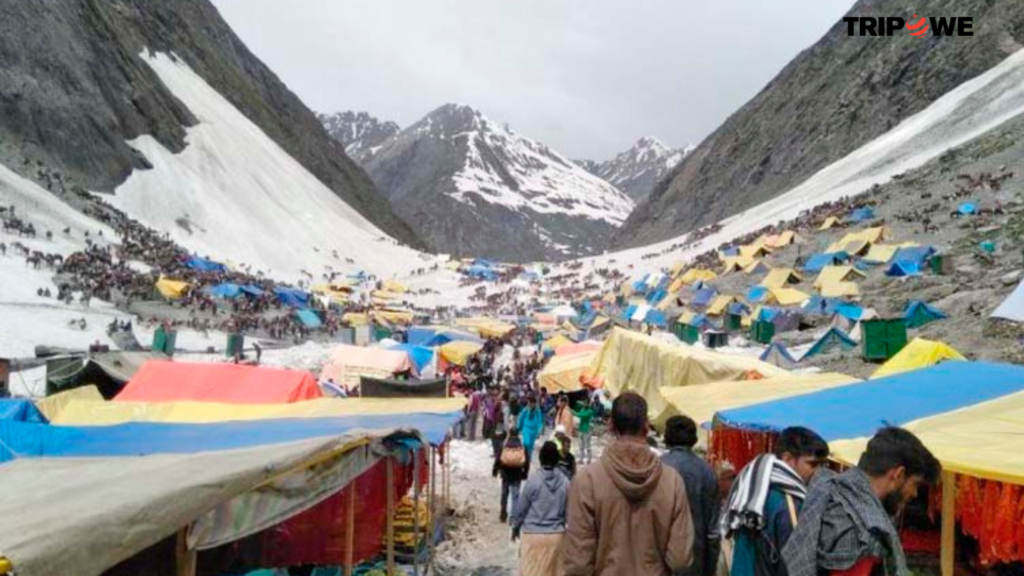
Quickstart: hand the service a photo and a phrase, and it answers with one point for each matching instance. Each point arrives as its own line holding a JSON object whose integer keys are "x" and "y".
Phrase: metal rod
{"x": 350, "y": 530}
{"x": 391, "y": 514}
{"x": 432, "y": 506}
{"x": 948, "y": 552}
{"x": 416, "y": 512}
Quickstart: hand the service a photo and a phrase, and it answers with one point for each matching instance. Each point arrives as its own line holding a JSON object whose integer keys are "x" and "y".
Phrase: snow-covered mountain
{"x": 638, "y": 170}
{"x": 360, "y": 133}
{"x": 470, "y": 186}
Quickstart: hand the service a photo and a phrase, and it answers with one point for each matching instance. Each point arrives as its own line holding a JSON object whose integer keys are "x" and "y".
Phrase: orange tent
{"x": 348, "y": 363}
{"x": 163, "y": 381}
{"x": 578, "y": 348}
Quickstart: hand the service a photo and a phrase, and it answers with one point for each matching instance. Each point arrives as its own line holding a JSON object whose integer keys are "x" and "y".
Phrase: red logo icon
{"x": 919, "y": 28}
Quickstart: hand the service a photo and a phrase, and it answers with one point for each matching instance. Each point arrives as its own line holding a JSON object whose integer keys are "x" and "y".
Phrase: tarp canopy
{"x": 836, "y": 274}
{"x": 757, "y": 294}
{"x": 420, "y": 335}
{"x": 309, "y": 318}
{"x": 916, "y": 255}
{"x": 855, "y": 411}
{"x": 704, "y": 296}
{"x": 788, "y": 296}
{"x": 829, "y": 223}
{"x": 563, "y": 372}
{"x": 447, "y": 335}
{"x": 643, "y": 364}
{"x": 458, "y": 352}
{"x": 778, "y": 355}
{"x": 20, "y": 410}
{"x": 754, "y": 251}
{"x": 702, "y": 402}
{"x": 162, "y": 381}
{"x": 421, "y": 356}
{"x": 204, "y": 265}
{"x": 857, "y": 242}
{"x": 832, "y": 340}
{"x": 100, "y": 413}
{"x": 720, "y": 305}
{"x": 982, "y": 441}
{"x": 292, "y": 297}
{"x": 697, "y": 275}
{"x": 347, "y": 363}
{"x": 656, "y": 318}
{"x": 577, "y": 348}
{"x": 1013, "y": 307}
{"x": 226, "y": 290}
{"x": 901, "y": 269}
{"x": 919, "y": 353}
{"x": 172, "y": 289}
{"x": 781, "y": 277}
{"x": 840, "y": 290}
{"x": 918, "y": 314}
{"x": 818, "y": 262}
{"x": 52, "y": 406}
{"x": 782, "y": 239}
{"x": 883, "y": 253}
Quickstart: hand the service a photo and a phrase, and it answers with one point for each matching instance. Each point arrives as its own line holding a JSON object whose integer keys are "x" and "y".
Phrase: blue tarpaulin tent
{"x": 446, "y": 336}
{"x": 420, "y": 355}
{"x": 481, "y": 273}
{"x": 778, "y": 355}
{"x": 226, "y": 290}
{"x": 252, "y": 290}
{"x": 656, "y": 318}
{"x": 850, "y": 311}
{"x": 419, "y": 335}
{"x": 309, "y": 318}
{"x": 859, "y": 410}
{"x": 20, "y": 410}
{"x": 831, "y": 340}
{"x": 918, "y": 314}
{"x": 757, "y": 294}
{"x": 968, "y": 208}
{"x": 657, "y": 296}
{"x": 822, "y": 306}
{"x": 818, "y": 262}
{"x": 914, "y": 254}
{"x": 704, "y": 297}
{"x": 902, "y": 269}
{"x": 738, "y": 309}
{"x": 292, "y": 297}
{"x": 204, "y": 265}
{"x": 862, "y": 214}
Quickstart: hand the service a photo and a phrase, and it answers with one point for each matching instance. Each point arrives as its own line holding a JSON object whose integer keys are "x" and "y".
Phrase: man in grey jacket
{"x": 701, "y": 486}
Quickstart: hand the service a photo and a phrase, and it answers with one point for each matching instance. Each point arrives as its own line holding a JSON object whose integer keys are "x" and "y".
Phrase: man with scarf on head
{"x": 763, "y": 505}
{"x": 846, "y": 527}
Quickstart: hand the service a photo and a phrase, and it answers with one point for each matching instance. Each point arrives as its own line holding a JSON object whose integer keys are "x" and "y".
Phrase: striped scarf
{"x": 745, "y": 507}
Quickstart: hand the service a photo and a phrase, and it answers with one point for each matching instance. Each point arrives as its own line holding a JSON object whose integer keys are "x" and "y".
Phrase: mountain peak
{"x": 359, "y": 132}
{"x": 638, "y": 170}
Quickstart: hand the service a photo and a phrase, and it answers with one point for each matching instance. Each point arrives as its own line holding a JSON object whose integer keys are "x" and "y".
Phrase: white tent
{"x": 1013, "y": 307}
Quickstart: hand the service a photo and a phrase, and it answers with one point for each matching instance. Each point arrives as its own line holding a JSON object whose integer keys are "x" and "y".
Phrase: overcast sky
{"x": 586, "y": 77}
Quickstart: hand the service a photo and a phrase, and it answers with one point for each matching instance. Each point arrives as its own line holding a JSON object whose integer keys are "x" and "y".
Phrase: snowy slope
{"x": 961, "y": 115}
{"x": 360, "y": 133}
{"x": 234, "y": 194}
{"x": 639, "y": 169}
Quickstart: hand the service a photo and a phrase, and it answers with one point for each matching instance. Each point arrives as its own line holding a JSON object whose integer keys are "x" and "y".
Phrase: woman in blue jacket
{"x": 530, "y": 424}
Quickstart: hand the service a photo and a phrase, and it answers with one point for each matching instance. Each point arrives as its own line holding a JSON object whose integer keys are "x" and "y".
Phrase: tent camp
{"x": 1013, "y": 307}
{"x": 918, "y": 314}
{"x": 778, "y": 355}
{"x": 832, "y": 340}
{"x": 164, "y": 381}
{"x": 347, "y": 363}
{"x": 917, "y": 354}
{"x": 782, "y": 277}
{"x": 563, "y": 372}
{"x": 736, "y": 263}
{"x": 643, "y": 364}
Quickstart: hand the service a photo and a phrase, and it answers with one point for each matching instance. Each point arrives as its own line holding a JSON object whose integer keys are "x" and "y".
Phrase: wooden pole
{"x": 391, "y": 515}
{"x": 350, "y": 530}
{"x": 432, "y": 506}
{"x": 948, "y": 554}
{"x": 184, "y": 559}
{"x": 416, "y": 512}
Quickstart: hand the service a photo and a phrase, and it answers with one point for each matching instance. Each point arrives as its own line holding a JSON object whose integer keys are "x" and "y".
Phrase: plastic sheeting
{"x": 919, "y": 353}
{"x": 161, "y": 381}
{"x": 309, "y": 319}
{"x": 1013, "y": 307}
{"x": 172, "y": 289}
{"x": 348, "y": 363}
{"x": 385, "y": 388}
{"x": 643, "y": 364}
{"x": 53, "y": 406}
{"x": 20, "y": 410}
{"x": 204, "y": 265}
{"x": 292, "y": 297}
{"x": 856, "y": 411}
{"x": 563, "y": 372}
{"x": 458, "y": 353}
{"x": 421, "y": 356}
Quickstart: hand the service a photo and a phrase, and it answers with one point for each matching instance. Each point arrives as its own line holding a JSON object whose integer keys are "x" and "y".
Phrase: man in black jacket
{"x": 701, "y": 485}
{"x": 510, "y": 464}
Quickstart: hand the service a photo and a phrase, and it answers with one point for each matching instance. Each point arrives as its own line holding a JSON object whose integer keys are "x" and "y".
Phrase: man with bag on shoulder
{"x": 510, "y": 463}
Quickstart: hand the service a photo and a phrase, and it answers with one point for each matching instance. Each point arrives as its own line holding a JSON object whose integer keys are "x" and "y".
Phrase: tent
{"x": 164, "y": 381}
{"x": 967, "y": 209}
{"x": 781, "y": 277}
{"x": 903, "y": 269}
{"x": 1013, "y": 307}
{"x": 53, "y": 406}
{"x": 563, "y": 371}
{"x": 421, "y": 356}
{"x": 757, "y": 294}
{"x": 309, "y": 319}
{"x": 643, "y": 364}
{"x": 204, "y": 265}
{"x": 226, "y": 290}
{"x": 556, "y": 341}
{"x": 459, "y": 352}
{"x": 720, "y": 305}
{"x": 292, "y": 297}
{"x": 486, "y": 327}
{"x": 788, "y": 296}
{"x": 917, "y": 354}
{"x": 840, "y": 290}
{"x": 347, "y": 363}
{"x": 697, "y": 275}
{"x": 859, "y": 215}
{"x": 783, "y": 239}
{"x": 754, "y": 251}
{"x": 858, "y": 411}
{"x": 704, "y": 297}
{"x": 420, "y": 335}
{"x": 656, "y": 318}
{"x": 857, "y": 243}
{"x": 20, "y": 410}
{"x": 837, "y": 274}
{"x": 172, "y": 289}
{"x": 883, "y": 253}
{"x": 778, "y": 355}
{"x": 736, "y": 263}
{"x": 818, "y": 262}
{"x": 829, "y": 223}
{"x": 702, "y": 402}
{"x": 821, "y": 305}
{"x": 831, "y": 340}
{"x": 105, "y": 372}
{"x": 917, "y": 255}
{"x": 918, "y": 314}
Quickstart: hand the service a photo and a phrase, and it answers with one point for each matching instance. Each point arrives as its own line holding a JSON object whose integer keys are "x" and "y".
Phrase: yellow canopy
{"x": 355, "y": 319}
{"x": 100, "y": 413}
{"x": 736, "y": 263}
{"x": 981, "y": 441}
{"x": 630, "y": 361}
{"x": 781, "y": 277}
{"x": 698, "y": 274}
{"x": 834, "y": 274}
{"x": 702, "y": 402}
{"x": 556, "y": 341}
{"x": 919, "y": 353}
{"x": 486, "y": 327}
{"x": 720, "y": 304}
{"x": 394, "y": 286}
{"x": 676, "y": 286}
{"x": 829, "y": 223}
{"x": 458, "y": 352}
{"x": 172, "y": 289}
{"x": 789, "y": 296}
{"x": 781, "y": 240}
{"x": 562, "y": 373}
{"x": 857, "y": 242}
{"x": 754, "y": 250}
{"x": 51, "y": 406}
{"x": 885, "y": 252}
{"x": 394, "y": 316}
{"x": 840, "y": 290}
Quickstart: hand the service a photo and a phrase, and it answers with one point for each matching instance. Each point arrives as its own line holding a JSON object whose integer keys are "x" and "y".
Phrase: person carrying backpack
{"x": 510, "y": 464}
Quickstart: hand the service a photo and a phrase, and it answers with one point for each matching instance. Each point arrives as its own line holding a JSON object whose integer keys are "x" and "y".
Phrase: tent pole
{"x": 391, "y": 515}
{"x": 948, "y": 554}
{"x": 416, "y": 512}
{"x": 350, "y": 530}
{"x": 432, "y": 506}
{"x": 185, "y": 559}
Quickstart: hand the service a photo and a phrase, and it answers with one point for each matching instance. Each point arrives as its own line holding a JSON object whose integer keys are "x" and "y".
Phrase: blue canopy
{"x": 767, "y": 314}
{"x": 818, "y": 262}
{"x": 834, "y": 338}
{"x": 143, "y": 438}
{"x": 630, "y": 310}
{"x": 204, "y": 265}
{"x": 901, "y": 269}
{"x": 252, "y": 290}
{"x": 20, "y": 410}
{"x": 484, "y": 262}
{"x": 481, "y": 273}
{"x": 704, "y": 296}
{"x": 226, "y": 290}
{"x": 442, "y": 338}
{"x": 914, "y": 255}
{"x": 657, "y": 296}
{"x": 292, "y": 297}
{"x": 862, "y": 214}
{"x": 757, "y": 294}
{"x": 419, "y": 335}
{"x": 731, "y": 251}
{"x": 656, "y": 318}
{"x": 738, "y": 309}
{"x": 968, "y": 208}
{"x": 309, "y": 318}
{"x": 918, "y": 314}
{"x": 859, "y": 410}
{"x": 849, "y": 311}
{"x": 698, "y": 321}
{"x": 420, "y": 355}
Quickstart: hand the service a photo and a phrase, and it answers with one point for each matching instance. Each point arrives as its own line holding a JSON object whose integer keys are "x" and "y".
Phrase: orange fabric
{"x": 570, "y": 349}
{"x": 992, "y": 513}
{"x": 862, "y": 568}
{"x": 163, "y": 381}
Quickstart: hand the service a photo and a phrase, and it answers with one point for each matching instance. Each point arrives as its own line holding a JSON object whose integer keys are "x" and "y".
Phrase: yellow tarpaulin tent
{"x": 172, "y": 289}
{"x": 458, "y": 352}
{"x": 355, "y": 319}
{"x": 840, "y": 290}
{"x": 562, "y": 374}
{"x": 981, "y": 440}
{"x": 835, "y": 274}
{"x": 556, "y": 341}
{"x": 486, "y": 327}
{"x": 789, "y": 296}
{"x": 100, "y": 413}
{"x": 394, "y": 316}
{"x": 395, "y": 286}
{"x": 781, "y": 277}
{"x": 829, "y": 223}
{"x": 720, "y": 304}
{"x": 644, "y": 364}
{"x": 338, "y": 293}
{"x": 51, "y": 406}
{"x": 885, "y": 252}
{"x": 782, "y": 240}
{"x": 736, "y": 263}
{"x": 857, "y": 242}
{"x": 698, "y": 275}
{"x": 919, "y": 353}
{"x": 702, "y": 402}
{"x": 754, "y": 251}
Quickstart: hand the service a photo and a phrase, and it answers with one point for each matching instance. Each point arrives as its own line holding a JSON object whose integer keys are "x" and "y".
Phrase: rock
{"x": 1011, "y": 279}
